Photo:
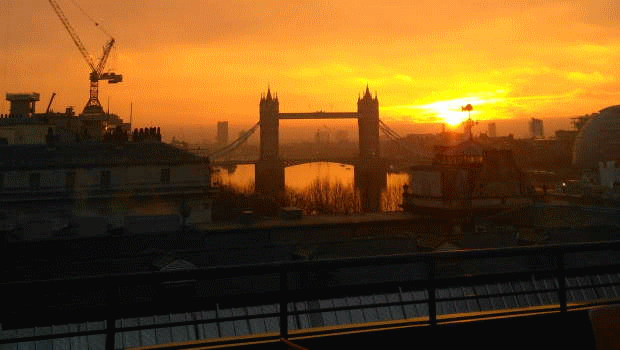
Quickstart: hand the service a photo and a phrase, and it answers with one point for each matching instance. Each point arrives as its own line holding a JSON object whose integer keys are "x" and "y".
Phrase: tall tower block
{"x": 269, "y": 173}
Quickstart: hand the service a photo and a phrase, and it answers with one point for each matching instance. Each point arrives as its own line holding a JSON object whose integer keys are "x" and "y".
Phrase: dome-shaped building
{"x": 599, "y": 139}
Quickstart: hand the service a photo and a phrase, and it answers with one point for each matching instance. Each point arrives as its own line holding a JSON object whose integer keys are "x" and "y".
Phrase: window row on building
{"x": 119, "y": 178}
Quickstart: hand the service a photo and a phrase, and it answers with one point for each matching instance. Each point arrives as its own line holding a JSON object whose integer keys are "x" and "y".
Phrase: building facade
{"x": 103, "y": 180}
{"x": 467, "y": 180}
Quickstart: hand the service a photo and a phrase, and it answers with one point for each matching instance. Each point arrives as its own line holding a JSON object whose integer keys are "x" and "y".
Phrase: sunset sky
{"x": 193, "y": 62}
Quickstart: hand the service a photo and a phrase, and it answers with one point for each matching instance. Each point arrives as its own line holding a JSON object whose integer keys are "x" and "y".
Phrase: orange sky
{"x": 193, "y": 62}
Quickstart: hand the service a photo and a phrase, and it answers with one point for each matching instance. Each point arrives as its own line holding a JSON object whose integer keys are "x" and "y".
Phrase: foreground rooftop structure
{"x": 243, "y": 305}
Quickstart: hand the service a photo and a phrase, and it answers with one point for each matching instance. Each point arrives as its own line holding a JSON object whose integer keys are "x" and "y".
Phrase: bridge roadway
{"x": 319, "y": 115}
{"x": 290, "y": 162}
{"x": 394, "y": 164}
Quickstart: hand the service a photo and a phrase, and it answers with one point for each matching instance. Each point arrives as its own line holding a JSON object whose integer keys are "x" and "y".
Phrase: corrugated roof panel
{"x": 329, "y": 317}
{"x": 8, "y": 346}
{"x": 26, "y": 346}
{"x": 586, "y": 283}
{"x": 227, "y": 328}
{"x": 383, "y": 312}
{"x": 292, "y": 320}
{"x": 525, "y": 300}
{"x": 147, "y": 336}
{"x": 544, "y": 298}
{"x": 344, "y": 316}
{"x": 613, "y": 278}
{"x": 60, "y": 343}
{"x": 574, "y": 295}
{"x": 163, "y": 334}
{"x": 603, "y": 292}
{"x": 7, "y": 334}
{"x": 242, "y": 327}
{"x": 25, "y": 332}
{"x": 444, "y": 307}
{"x": 271, "y": 323}
{"x": 396, "y": 311}
{"x": 182, "y": 333}
{"x": 257, "y": 325}
{"x": 303, "y": 319}
{"x": 132, "y": 338}
{"x": 80, "y": 343}
{"x": 421, "y": 308}
{"x": 370, "y": 314}
{"x": 409, "y": 309}
{"x": 483, "y": 300}
{"x": 552, "y": 283}
{"x": 96, "y": 342}
{"x": 315, "y": 316}
{"x": 457, "y": 305}
{"x": 472, "y": 304}
{"x": 357, "y": 316}
{"x": 497, "y": 302}
{"x": 43, "y": 344}
{"x": 207, "y": 330}
{"x": 509, "y": 301}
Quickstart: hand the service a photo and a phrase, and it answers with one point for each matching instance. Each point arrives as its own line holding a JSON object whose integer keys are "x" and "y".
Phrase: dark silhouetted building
{"x": 222, "y": 133}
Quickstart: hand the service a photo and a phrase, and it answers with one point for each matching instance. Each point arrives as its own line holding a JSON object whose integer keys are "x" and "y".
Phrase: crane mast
{"x": 93, "y": 106}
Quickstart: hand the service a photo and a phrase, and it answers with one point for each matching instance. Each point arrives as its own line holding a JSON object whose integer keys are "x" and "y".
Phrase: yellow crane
{"x": 93, "y": 106}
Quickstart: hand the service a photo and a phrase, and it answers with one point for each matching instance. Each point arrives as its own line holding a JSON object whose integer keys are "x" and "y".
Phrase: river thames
{"x": 299, "y": 178}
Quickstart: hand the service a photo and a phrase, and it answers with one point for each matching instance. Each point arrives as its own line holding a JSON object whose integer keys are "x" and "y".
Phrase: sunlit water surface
{"x": 301, "y": 177}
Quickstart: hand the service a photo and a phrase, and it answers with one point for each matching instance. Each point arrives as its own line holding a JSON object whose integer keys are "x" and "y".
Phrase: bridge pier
{"x": 269, "y": 178}
{"x": 370, "y": 180}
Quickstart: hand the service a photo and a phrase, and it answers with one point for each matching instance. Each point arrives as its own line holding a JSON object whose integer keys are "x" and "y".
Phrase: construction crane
{"x": 49, "y": 105}
{"x": 97, "y": 70}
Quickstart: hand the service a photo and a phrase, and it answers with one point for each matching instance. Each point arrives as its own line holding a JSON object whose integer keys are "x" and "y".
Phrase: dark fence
{"x": 112, "y": 297}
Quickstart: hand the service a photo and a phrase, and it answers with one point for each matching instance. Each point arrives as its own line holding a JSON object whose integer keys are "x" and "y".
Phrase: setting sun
{"x": 452, "y": 118}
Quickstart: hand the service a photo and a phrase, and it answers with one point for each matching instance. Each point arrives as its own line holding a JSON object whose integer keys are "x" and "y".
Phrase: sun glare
{"x": 450, "y": 112}
{"x": 452, "y": 118}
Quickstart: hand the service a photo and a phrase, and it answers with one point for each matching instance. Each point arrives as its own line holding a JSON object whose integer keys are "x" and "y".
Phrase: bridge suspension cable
{"x": 396, "y": 138}
{"x": 235, "y": 144}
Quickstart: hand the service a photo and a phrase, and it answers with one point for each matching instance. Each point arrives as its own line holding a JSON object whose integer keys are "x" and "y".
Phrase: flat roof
{"x": 33, "y": 96}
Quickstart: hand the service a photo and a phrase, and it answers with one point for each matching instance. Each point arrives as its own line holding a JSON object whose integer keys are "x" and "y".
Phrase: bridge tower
{"x": 370, "y": 175}
{"x": 269, "y": 173}
{"x": 368, "y": 125}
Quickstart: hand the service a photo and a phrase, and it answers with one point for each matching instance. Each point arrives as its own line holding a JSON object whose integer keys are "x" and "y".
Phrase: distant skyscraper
{"x": 536, "y": 129}
{"x": 222, "y": 133}
{"x": 492, "y": 130}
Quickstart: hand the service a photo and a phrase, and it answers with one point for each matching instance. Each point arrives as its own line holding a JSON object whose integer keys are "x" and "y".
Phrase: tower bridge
{"x": 370, "y": 169}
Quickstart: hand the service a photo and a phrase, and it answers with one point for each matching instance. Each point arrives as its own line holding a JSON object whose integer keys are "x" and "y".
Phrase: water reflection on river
{"x": 301, "y": 177}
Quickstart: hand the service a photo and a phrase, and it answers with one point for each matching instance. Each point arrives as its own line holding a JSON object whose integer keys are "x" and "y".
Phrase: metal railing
{"x": 433, "y": 273}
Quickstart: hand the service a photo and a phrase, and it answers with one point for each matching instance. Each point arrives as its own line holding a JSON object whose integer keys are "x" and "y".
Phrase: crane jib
{"x": 96, "y": 69}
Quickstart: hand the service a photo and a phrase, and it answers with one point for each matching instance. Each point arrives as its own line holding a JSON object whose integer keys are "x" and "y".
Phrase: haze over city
{"x": 301, "y": 174}
{"x": 190, "y": 63}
